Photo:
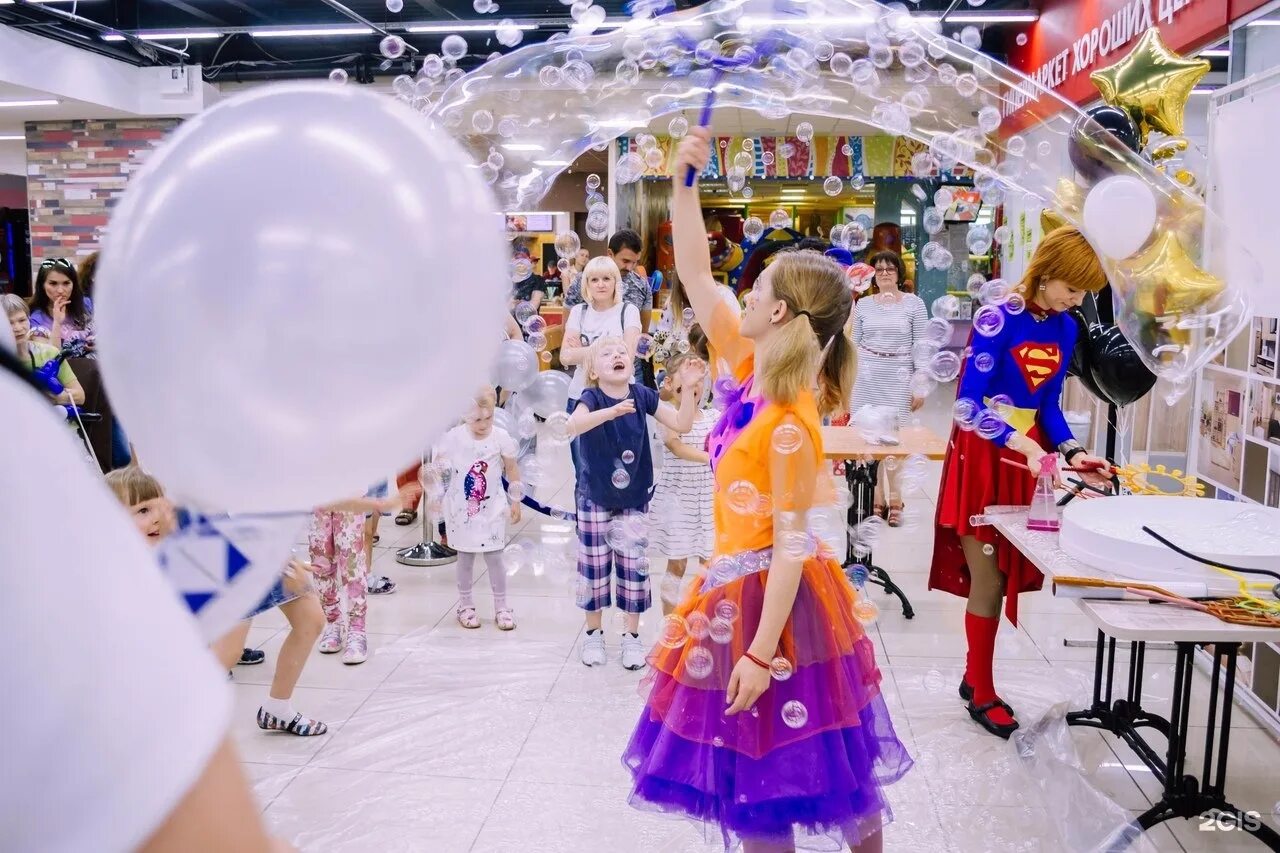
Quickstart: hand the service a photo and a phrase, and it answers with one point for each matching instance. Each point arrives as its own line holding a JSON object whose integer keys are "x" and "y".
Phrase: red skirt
{"x": 973, "y": 478}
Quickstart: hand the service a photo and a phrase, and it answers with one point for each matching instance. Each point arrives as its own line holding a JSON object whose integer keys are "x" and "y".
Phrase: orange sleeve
{"x": 726, "y": 340}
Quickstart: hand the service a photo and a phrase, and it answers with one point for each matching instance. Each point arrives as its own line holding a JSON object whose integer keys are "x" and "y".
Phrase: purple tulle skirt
{"x": 817, "y": 785}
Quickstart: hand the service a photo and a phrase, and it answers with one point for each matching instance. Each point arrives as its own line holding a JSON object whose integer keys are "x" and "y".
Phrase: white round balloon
{"x": 299, "y": 285}
{"x": 1119, "y": 213}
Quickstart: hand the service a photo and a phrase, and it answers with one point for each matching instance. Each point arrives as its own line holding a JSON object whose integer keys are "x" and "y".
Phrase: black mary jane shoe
{"x": 979, "y": 714}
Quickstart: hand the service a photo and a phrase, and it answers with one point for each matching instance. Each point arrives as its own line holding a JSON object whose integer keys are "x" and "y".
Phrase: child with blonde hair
{"x": 680, "y": 515}
{"x": 615, "y": 478}
{"x": 469, "y": 462}
{"x": 153, "y": 515}
{"x": 603, "y": 313}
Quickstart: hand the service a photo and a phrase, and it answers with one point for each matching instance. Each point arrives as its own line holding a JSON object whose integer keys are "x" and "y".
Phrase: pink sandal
{"x": 467, "y": 617}
{"x": 506, "y": 619}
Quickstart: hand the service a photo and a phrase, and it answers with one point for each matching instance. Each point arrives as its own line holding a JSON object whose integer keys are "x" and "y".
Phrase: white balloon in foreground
{"x": 234, "y": 286}
{"x": 1119, "y": 213}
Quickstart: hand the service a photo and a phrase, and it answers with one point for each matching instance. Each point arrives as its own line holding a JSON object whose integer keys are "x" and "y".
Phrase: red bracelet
{"x": 755, "y": 660}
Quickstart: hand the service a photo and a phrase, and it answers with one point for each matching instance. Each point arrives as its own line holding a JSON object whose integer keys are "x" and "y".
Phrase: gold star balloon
{"x": 1068, "y": 197}
{"x": 1152, "y": 84}
{"x": 1165, "y": 280}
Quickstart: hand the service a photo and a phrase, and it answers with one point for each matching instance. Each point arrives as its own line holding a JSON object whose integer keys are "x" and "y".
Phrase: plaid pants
{"x": 595, "y": 554}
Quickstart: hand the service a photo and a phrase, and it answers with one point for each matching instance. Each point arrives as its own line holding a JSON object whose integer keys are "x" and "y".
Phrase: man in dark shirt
{"x": 532, "y": 290}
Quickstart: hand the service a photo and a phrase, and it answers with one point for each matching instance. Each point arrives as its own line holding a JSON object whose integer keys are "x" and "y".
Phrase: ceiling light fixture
{"x": 1215, "y": 53}
{"x": 975, "y": 16}
{"x": 522, "y": 146}
{"x": 174, "y": 35}
{"x": 551, "y": 164}
{"x": 464, "y": 27}
{"x": 10, "y": 137}
{"x": 311, "y": 32}
{"x": 39, "y": 102}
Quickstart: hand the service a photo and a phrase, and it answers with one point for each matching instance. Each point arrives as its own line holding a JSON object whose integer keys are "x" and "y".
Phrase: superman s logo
{"x": 1038, "y": 362}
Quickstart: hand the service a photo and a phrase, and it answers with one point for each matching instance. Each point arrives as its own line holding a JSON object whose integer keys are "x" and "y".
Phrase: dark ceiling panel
{"x": 314, "y": 55}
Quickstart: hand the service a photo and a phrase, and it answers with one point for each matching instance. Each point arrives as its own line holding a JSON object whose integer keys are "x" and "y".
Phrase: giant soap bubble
{"x": 858, "y": 61}
{"x": 237, "y": 281}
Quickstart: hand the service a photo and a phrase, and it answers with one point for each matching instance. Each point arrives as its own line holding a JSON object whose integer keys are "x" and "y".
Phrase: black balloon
{"x": 1105, "y": 361}
{"x": 1091, "y": 152}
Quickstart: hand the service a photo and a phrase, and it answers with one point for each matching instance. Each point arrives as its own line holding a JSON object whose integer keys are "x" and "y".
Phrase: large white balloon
{"x": 1119, "y": 213}
{"x": 299, "y": 285}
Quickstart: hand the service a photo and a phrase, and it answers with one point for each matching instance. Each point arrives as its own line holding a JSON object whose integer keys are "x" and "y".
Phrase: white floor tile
{"x": 351, "y": 811}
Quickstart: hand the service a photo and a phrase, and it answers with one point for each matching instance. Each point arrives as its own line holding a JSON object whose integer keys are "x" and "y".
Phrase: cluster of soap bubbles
{"x": 988, "y": 421}
{"x": 866, "y": 63}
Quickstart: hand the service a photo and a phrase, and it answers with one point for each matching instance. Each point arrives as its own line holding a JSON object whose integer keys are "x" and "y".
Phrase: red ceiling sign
{"x": 1074, "y": 38}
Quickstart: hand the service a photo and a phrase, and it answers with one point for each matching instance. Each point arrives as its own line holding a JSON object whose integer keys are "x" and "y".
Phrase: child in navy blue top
{"x": 615, "y": 479}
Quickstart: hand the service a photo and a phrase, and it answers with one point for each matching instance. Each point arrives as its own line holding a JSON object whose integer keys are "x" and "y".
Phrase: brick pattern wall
{"x": 76, "y": 171}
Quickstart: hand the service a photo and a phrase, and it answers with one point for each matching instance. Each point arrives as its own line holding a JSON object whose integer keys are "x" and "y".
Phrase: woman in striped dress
{"x": 887, "y": 322}
{"x": 681, "y": 522}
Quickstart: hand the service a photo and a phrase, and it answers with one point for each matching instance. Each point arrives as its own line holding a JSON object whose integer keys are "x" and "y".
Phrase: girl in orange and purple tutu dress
{"x": 764, "y": 712}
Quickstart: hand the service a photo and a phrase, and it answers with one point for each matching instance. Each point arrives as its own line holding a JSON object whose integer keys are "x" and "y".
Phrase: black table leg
{"x": 861, "y": 477}
{"x": 1183, "y": 795}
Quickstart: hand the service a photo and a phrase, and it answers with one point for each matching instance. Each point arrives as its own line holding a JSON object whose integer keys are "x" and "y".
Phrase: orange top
{"x": 765, "y": 455}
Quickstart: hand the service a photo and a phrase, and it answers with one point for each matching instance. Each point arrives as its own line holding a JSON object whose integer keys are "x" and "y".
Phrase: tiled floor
{"x": 455, "y": 740}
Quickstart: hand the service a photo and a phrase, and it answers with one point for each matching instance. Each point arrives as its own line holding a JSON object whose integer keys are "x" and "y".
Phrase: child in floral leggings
{"x": 336, "y": 543}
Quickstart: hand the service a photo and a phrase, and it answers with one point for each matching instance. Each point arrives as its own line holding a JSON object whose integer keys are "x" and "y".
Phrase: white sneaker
{"x": 593, "y": 649}
{"x": 632, "y": 652}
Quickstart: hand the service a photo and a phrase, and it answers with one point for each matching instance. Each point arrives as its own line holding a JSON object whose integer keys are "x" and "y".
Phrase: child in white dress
{"x": 470, "y": 461}
{"x": 681, "y": 523}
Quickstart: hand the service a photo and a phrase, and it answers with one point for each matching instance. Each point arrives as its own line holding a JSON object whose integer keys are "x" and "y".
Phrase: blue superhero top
{"x": 1029, "y": 358}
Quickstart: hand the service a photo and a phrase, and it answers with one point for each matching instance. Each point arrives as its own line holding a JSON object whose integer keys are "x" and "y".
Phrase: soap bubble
{"x": 855, "y": 237}
{"x": 721, "y": 631}
{"x": 988, "y": 320}
{"x": 971, "y": 38}
{"x": 781, "y": 669}
{"x": 989, "y": 120}
{"x": 978, "y": 239}
{"x": 699, "y": 625}
{"x": 482, "y": 121}
{"x": 947, "y": 307}
{"x": 865, "y": 611}
{"x": 841, "y": 64}
{"x": 593, "y": 182}
{"x": 338, "y": 75}
{"x": 988, "y": 549}
{"x": 567, "y": 244}
{"x": 989, "y": 424}
{"x": 752, "y": 228}
{"x": 779, "y": 219}
{"x": 628, "y": 457}
{"x": 454, "y": 47}
{"x": 833, "y": 186}
{"x": 1015, "y": 304}
{"x": 699, "y": 663}
{"x": 620, "y": 479}
{"x": 984, "y": 362}
{"x": 1044, "y": 148}
{"x": 674, "y": 632}
{"x": 727, "y": 610}
{"x": 966, "y": 85}
{"x": 965, "y": 413}
{"x": 804, "y": 131}
{"x": 679, "y": 127}
{"x": 787, "y": 438}
{"x": 1021, "y": 39}
{"x": 938, "y": 331}
{"x": 392, "y": 47}
{"x": 795, "y": 714}
{"x": 395, "y": 6}
{"x": 742, "y": 497}
{"x": 932, "y": 220}
{"x": 1002, "y": 234}
{"x": 508, "y": 34}
{"x": 945, "y": 366}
